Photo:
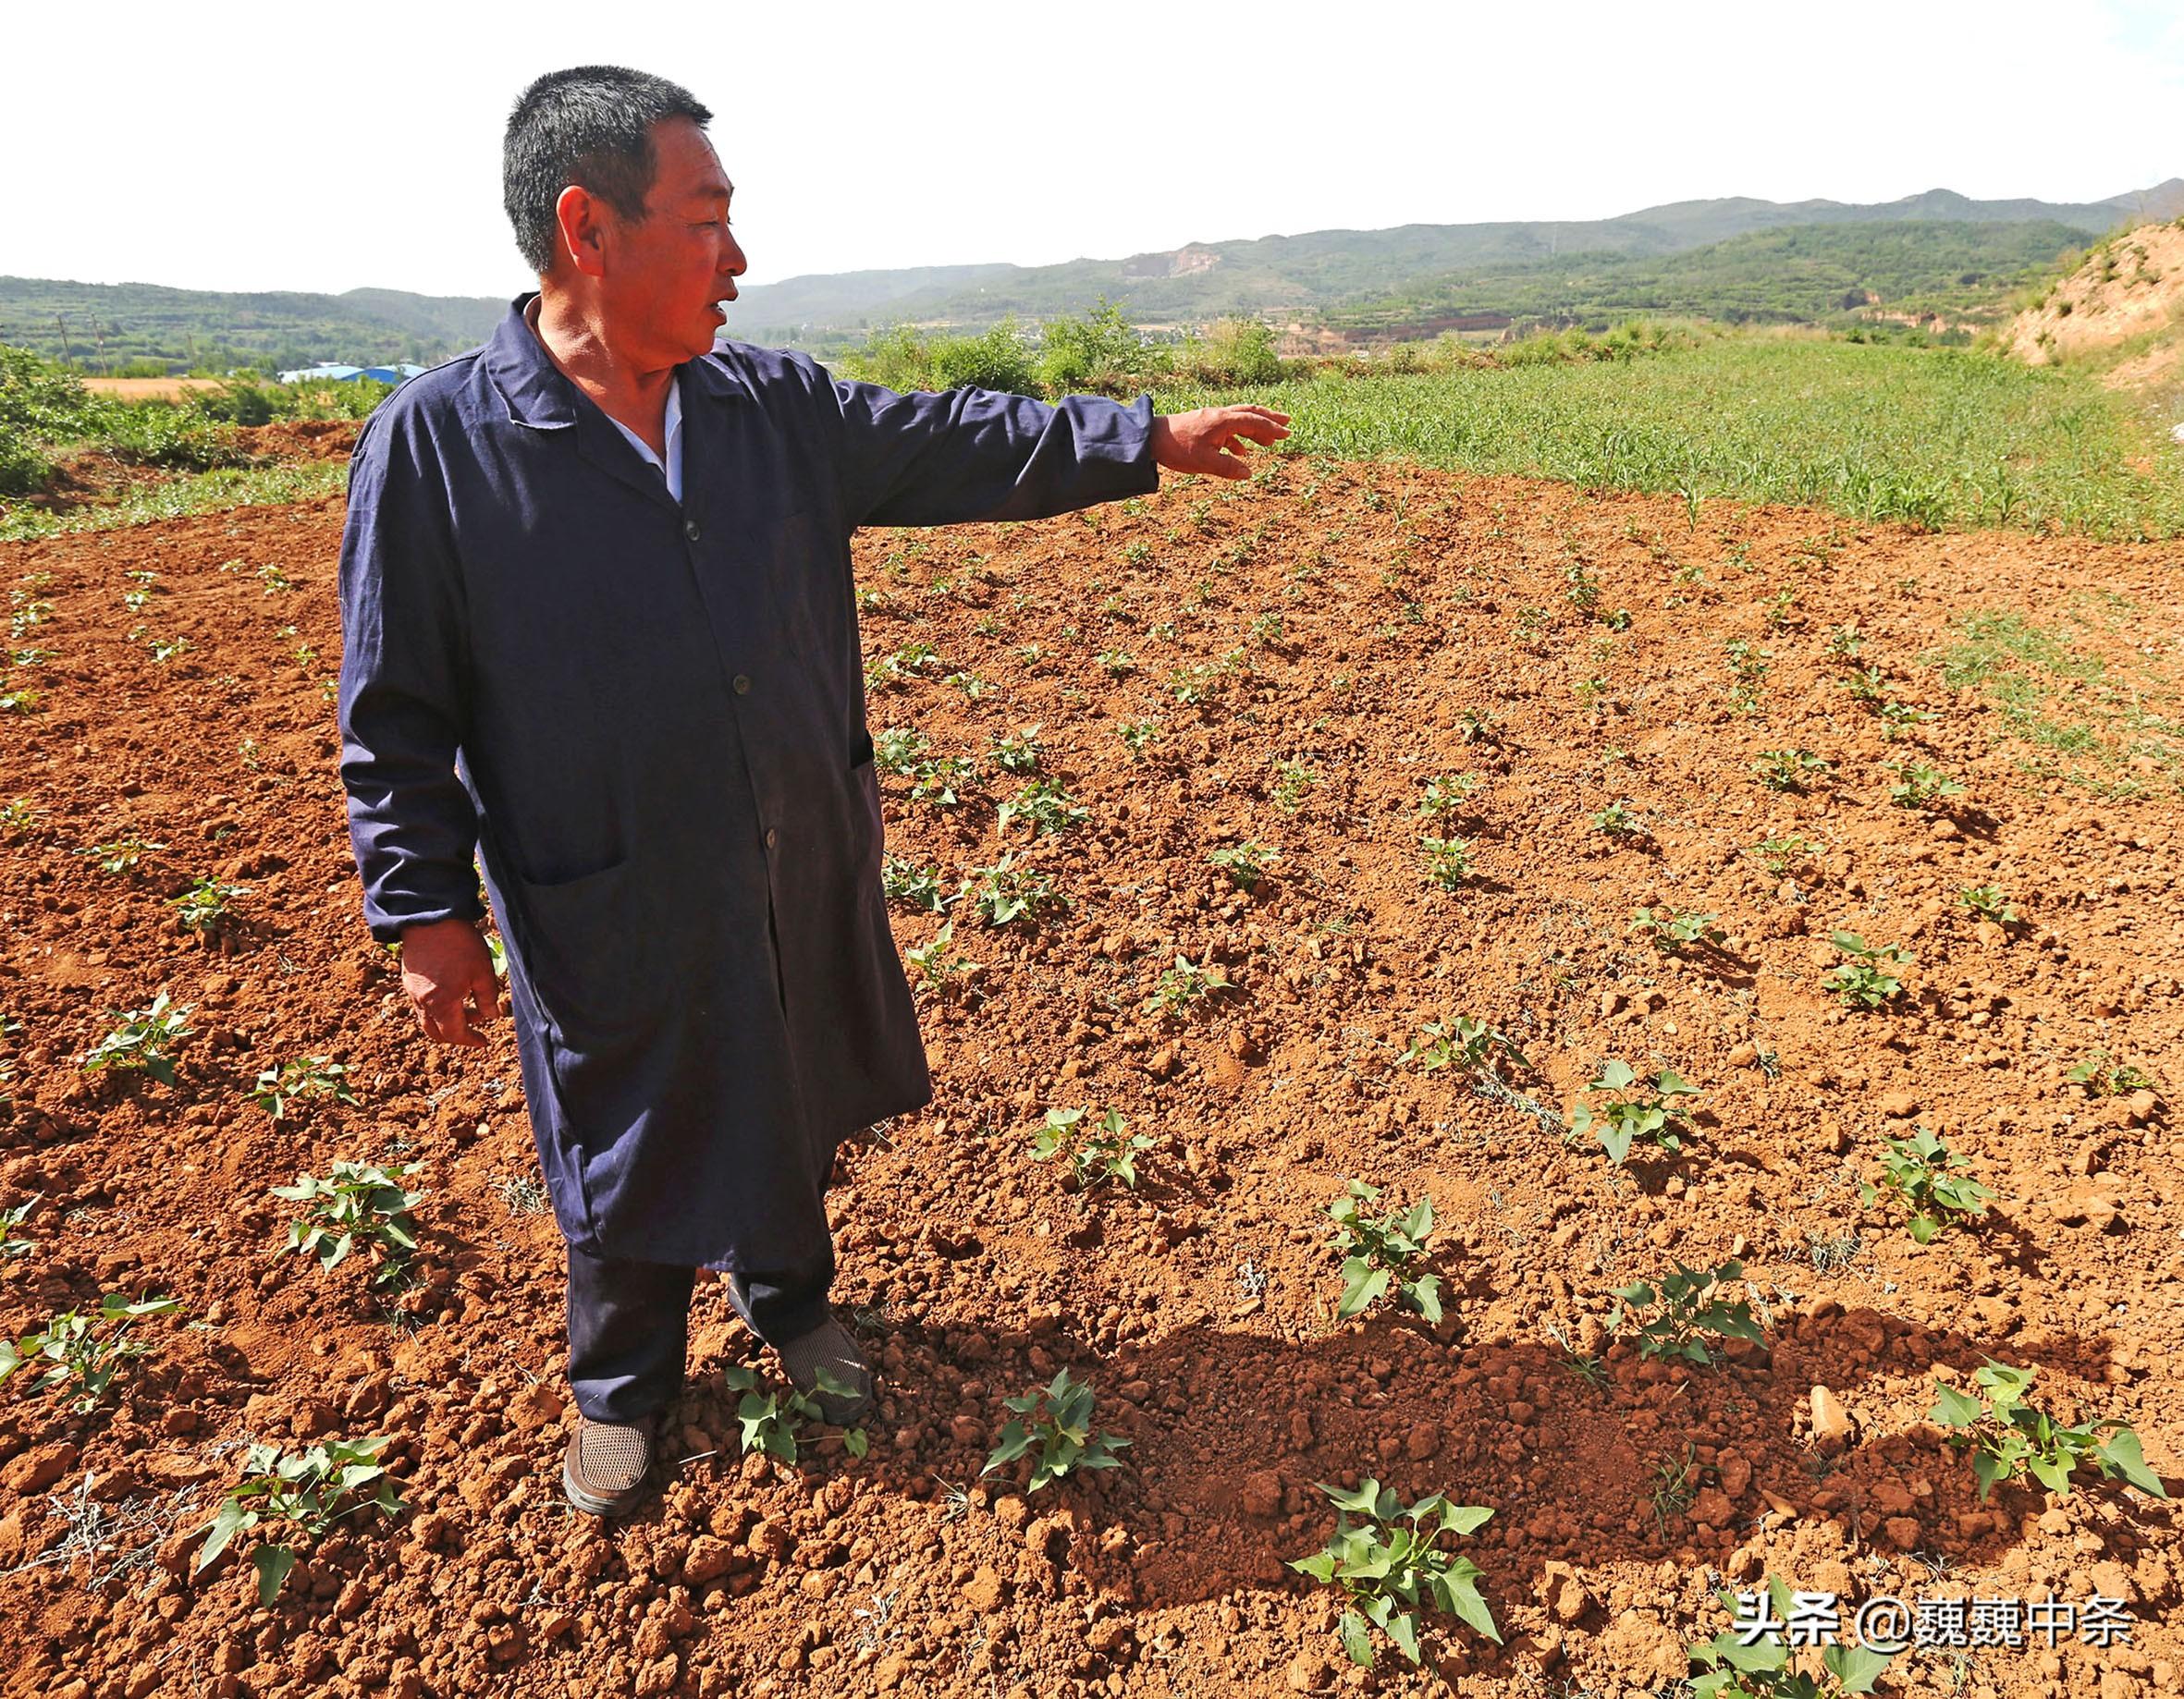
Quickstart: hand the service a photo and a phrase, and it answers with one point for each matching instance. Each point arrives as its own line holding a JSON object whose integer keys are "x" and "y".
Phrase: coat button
{"x": 743, "y": 684}
{"x": 770, "y": 835}
{"x": 690, "y": 529}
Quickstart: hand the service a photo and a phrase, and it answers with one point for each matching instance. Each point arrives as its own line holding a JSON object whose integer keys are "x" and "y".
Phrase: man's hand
{"x": 445, "y": 968}
{"x": 1205, "y": 439}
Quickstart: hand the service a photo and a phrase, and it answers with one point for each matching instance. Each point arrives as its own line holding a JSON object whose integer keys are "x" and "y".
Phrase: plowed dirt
{"x": 1427, "y": 626}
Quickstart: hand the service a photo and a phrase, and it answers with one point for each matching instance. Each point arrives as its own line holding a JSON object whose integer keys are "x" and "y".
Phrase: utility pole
{"x": 61, "y": 320}
{"x": 99, "y": 336}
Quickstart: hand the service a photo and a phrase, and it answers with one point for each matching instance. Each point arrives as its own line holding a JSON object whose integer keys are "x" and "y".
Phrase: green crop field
{"x": 1940, "y": 437}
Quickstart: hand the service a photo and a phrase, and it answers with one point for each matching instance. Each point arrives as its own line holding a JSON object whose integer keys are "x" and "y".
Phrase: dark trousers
{"x": 628, "y": 1325}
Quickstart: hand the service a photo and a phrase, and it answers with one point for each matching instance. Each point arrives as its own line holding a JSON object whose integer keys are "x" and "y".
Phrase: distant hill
{"x": 1324, "y": 273}
{"x": 1736, "y": 259}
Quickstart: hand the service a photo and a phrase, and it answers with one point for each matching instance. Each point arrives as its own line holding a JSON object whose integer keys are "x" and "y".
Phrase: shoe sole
{"x": 596, "y": 1504}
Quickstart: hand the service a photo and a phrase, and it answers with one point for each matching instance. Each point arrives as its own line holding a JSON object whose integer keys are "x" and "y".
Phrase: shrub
{"x": 1101, "y": 351}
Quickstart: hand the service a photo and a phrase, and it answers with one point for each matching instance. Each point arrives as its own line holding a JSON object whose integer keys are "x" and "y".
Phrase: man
{"x": 601, "y": 630}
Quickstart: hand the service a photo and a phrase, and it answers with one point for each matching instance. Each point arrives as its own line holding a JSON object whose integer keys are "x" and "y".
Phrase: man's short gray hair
{"x": 590, "y": 126}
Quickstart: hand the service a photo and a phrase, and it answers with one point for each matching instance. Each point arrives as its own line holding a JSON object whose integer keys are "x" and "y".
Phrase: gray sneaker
{"x": 608, "y": 1467}
{"x": 830, "y": 1347}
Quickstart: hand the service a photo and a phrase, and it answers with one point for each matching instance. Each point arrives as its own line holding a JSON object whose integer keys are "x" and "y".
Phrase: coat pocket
{"x": 587, "y": 950}
{"x": 862, "y": 752}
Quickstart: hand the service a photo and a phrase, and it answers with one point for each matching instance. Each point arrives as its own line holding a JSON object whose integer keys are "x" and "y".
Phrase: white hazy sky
{"x": 294, "y": 146}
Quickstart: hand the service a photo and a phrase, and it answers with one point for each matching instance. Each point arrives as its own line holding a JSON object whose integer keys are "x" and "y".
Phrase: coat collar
{"x": 538, "y": 395}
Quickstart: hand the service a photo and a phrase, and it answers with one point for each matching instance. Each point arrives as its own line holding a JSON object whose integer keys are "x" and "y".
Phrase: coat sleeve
{"x": 411, "y": 824}
{"x": 971, "y": 454}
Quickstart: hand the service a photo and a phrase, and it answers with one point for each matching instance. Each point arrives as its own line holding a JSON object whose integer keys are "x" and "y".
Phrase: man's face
{"x": 665, "y": 273}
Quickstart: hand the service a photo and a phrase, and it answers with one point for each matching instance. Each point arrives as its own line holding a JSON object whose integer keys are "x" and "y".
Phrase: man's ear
{"x": 582, "y": 218}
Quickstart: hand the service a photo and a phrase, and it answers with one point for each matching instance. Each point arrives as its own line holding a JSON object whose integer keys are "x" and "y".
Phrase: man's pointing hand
{"x": 1205, "y": 440}
{"x": 446, "y": 967}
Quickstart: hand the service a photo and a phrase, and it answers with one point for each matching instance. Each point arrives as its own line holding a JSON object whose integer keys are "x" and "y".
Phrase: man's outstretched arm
{"x": 970, "y": 453}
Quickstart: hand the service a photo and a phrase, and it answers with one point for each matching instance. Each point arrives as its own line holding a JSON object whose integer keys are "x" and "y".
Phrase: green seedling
{"x": 1867, "y": 979}
{"x": 1619, "y": 820}
{"x": 1778, "y": 855}
{"x": 1446, "y": 794}
{"x": 1789, "y": 769}
{"x": 10, "y": 1246}
{"x": 940, "y": 779}
{"x": 905, "y": 882}
{"x": 1053, "y": 1426}
{"x": 1918, "y": 786}
{"x": 355, "y": 1203}
{"x": 899, "y": 749}
{"x": 1755, "y": 1661}
{"x": 17, "y": 817}
{"x": 773, "y": 1421}
{"x": 83, "y": 1353}
{"x": 1045, "y": 804}
{"x": 204, "y": 907}
{"x": 1619, "y": 1121}
{"x": 1869, "y": 685}
{"x": 1988, "y": 902}
{"x": 1393, "y": 1570}
{"x": 2009, "y": 1438}
{"x": 1117, "y": 663}
{"x": 1008, "y": 891}
{"x": 915, "y": 660}
{"x": 299, "y": 1497}
{"x": 1925, "y": 1175}
{"x": 1448, "y": 861}
{"x": 122, "y": 855}
{"x": 1104, "y": 1155}
{"x": 1469, "y": 1046}
{"x": 938, "y": 963}
{"x": 2104, "y": 1076}
{"x": 1245, "y": 863}
{"x": 139, "y": 1044}
{"x": 305, "y": 1079}
{"x": 1671, "y": 934}
{"x": 20, "y": 702}
{"x": 1183, "y": 984}
{"x": 1383, "y": 1253}
{"x": 274, "y": 579}
{"x": 1291, "y": 779}
{"x": 1017, "y": 752}
{"x": 1690, "y": 1307}
{"x": 1137, "y": 735}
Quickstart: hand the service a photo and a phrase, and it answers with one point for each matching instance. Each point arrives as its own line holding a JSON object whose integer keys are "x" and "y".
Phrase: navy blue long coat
{"x": 647, "y": 720}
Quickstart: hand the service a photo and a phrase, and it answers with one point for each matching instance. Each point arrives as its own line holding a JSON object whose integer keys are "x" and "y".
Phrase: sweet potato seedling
{"x": 938, "y": 963}
{"x": 941, "y": 780}
{"x": 1988, "y": 902}
{"x": 10, "y": 1246}
{"x": 1383, "y": 1253}
{"x": 1446, "y": 793}
{"x": 306, "y": 1079}
{"x": 1919, "y": 786}
{"x": 1008, "y": 891}
{"x": 1620, "y": 1120}
{"x": 1468, "y": 1045}
{"x": 1925, "y": 1175}
{"x": 139, "y": 1044}
{"x": 1053, "y": 1426}
{"x": 2104, "y": 1076}
{"x": 1393, "y": 1570}
{"x": 122, "y": 855}
{"x": 905, "y": 882}
{"x": 83, "y": 1353}
{"x": 1017, "y": 752}
{"x": 773, "y": 1421}
{"x": 1789, "y": 770}
{"x": 298, "y": 1497}
{"x": 2009, "y": 1438}
{"x": 1245, "y": 863}
{"x": 1448, "y": 861}
{"x": 1671, "y": 934}
{"x": 1183, "y": 984}
{"x": 1867, "y": 979}
{"x": 1045, "y": 804}
{"x": 355, "y": 1203}
{"x": 1103, "y": 1155}
{"x": 203, "y": 907}
{"x": 899, "y": 749}
{"x": 1619, "y": 820}
{"x": 1758, "y": 1662}
{"x": 1689, "y": 1307}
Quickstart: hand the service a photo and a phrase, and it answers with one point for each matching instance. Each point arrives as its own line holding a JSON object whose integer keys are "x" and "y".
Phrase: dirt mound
{"x": 1273, "y": 673}
{"x": 2129, "y": 285}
